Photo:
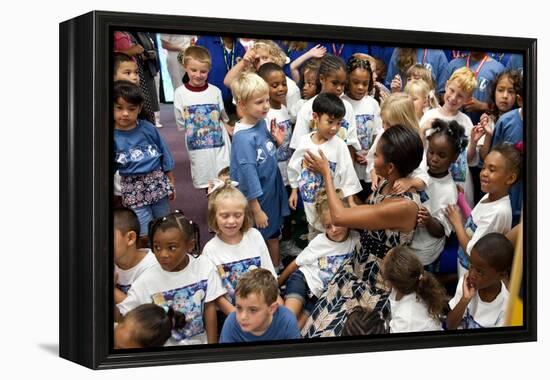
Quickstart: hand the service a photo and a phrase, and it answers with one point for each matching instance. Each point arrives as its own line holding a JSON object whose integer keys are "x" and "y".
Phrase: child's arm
{"x": 224, "y": 305}
{"x": 119, "y": 296}
{"x": 211, "y": 321}
{"x": 239, "y": 67}
{"x": 318, "y": 51}
{"x": 457, "y": 313}
{"x": 172, "y": 180}
{"x": 433, "y": 226}
{"x": 260, "y": 217}
{"x": 293, "y": 199}
{"x": 291, "y": 268}
{"x": 405, "y": 184}
{"x": 453, "y": 214}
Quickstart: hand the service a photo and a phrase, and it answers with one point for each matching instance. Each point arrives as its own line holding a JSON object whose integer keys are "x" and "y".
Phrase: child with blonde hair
{"x": 458, "y": 91}
{"x": 254, "y": 162}
{"x": 200, "y": 113}
{"x": 422, "y": 95}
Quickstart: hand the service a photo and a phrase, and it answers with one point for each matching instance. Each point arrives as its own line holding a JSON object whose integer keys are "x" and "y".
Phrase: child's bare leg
{"x": 273, "y": 248}
{"x": 294, "y": 305}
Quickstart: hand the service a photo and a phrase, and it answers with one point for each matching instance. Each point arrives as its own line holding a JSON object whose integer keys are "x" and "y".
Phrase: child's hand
{"x": 318, "y": 51}
{"x": 477, "y": 133}
{"x": 317, "y": 164}
{"x": 277, "y": 133}
{"x": 261, "y": 219}
{"x": 485, "y": 122}
{"x": 423, "y": 216}
{"x": 293, "y": 199}
{"x": 452, "y": 212}
{"x": 374, "y": 180}
{"x": 361, "y": 157}
{"x": 396, "y": 83}
{"x": 382, "y": 91}
{"x": 475, "y": 105}
{"x": 401, "y": 185}
{"x": 468, "y": 291}
{"x": 172, "y": 196}
{"x": 229, "y": 128}
{"x": 250, "y": 57}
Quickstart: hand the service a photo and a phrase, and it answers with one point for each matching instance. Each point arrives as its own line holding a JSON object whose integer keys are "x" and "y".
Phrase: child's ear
{"x": 315, "y": 116}
{"x": 512, "y": 177}
{"x": 273, "y": 307}
{"x": 131, "y": 238}
{"x": 190, "y": 245}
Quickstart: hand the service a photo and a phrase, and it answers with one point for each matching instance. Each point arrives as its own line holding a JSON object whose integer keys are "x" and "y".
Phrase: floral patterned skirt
{"x": 357, "y": 283}
{"x": 144, "y": 190}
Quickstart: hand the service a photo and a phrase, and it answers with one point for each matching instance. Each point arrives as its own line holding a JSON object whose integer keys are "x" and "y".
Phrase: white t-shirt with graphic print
{"x": 126, "y": 277}
{"x": 284, "y": 122}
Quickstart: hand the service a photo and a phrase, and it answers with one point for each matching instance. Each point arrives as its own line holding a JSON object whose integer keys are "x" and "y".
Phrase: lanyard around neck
{"x": 228, "y": 64}
{"x": 479, "y": 66}
{"x": 339, "y": 52}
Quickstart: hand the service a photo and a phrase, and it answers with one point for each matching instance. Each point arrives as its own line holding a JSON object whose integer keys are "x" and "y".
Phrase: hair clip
{"x": 421, "y": 277}
{"x": 218, "y": 183}
{"x": 519, "y": 146}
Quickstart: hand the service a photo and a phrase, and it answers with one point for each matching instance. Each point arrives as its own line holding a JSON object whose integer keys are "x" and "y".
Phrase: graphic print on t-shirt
{"x": 329, "y": 265}
{"x": 458, "y": 168}
{"x": 470, "y": 228}
{"x": 284, "y": 152}
{"x": 343, "y": 131}
{"x": 188, "y": 300}
{"x": 309, "y": 182}
{"x": 202, "y": 126}
{"x": 364, "y": 131}
{"x": 231, "y": 272}
{"x": 124, "y": 288}
{"x": 468, "y": 322}
{"x": 136, "y": 154}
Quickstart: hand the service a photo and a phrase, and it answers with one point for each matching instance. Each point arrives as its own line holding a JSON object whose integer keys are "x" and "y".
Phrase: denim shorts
{"x": 296, "y": 287}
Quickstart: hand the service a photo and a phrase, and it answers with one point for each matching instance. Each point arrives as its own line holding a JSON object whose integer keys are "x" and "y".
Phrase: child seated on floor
{"x": 258, "y": 316}
{"x": 481, "y": 296}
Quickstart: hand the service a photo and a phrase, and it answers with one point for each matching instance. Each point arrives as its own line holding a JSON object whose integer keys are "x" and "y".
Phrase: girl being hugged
{"x": 367, "y": 115}
{"x": 254, "y": 162}
{"x": 445, "y": 142}
{"x": 422, "y": 95}
{"x": 181, "y": 280}
{"x": 237, "y": 246}
{"x": 200, "y": 113}
{"x": 417, "y": 298}
{"x": 309, "y": 274}
{"x": 493, "y": 213}
{"x": 142, "y": 158}
{"x": 332, "y": 79}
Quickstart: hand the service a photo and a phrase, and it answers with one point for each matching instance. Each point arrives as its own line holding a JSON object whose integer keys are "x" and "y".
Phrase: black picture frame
{"x": 86, "y": 187}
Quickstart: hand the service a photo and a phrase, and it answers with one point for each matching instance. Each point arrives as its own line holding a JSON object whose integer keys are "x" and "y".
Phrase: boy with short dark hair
{"x": 258, "y": 316}
{"x": 481, "y": 297}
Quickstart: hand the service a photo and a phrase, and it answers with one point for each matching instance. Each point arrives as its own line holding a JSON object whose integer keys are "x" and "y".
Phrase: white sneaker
{"x": 157, "y": 120}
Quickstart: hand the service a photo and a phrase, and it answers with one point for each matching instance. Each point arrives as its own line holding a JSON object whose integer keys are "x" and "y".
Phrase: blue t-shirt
{"x": 222, "y": 61}
{"x": 141, "y": 150}
{"x": 509, "y": 129}
{"x": 485, "y": 78}
{"x": 255, "y": 167}
{"x": 283, "y": 326}
{"x": 382, "y": 52}
{"x": 433, "y": 60}
{"x": 515, "y": 63}
{"x": 344, "y": 50}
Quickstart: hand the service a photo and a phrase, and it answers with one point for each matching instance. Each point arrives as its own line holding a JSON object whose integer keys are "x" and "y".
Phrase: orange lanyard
{"x": 479, "y": 66}
{"x": 339, "y": 53}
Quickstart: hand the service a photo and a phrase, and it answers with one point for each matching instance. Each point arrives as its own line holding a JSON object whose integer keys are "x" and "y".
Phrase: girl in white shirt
{"x": 417, "y": 299}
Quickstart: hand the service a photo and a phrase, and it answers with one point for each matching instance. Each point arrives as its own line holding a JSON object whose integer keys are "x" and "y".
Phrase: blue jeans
{"x": 296, "y": 287}
{"x": 148, "y": 213}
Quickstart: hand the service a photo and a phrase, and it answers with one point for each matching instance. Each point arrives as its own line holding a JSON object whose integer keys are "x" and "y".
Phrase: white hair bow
{"x": 216, "y": 183}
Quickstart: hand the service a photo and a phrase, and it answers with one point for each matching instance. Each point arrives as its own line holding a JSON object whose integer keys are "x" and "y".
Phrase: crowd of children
{"x": 252, "y": 138}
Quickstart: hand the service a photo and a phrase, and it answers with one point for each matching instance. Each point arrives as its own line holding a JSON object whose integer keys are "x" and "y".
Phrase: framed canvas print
{"x": 237, "y": 189}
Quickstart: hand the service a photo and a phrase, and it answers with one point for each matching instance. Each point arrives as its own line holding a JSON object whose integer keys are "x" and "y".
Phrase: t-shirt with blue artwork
{"x": 126, "y": 277}
{"x": 187, "y": 291}
{"x": 141, "y": 150}
{"x": 254, "y": 167}
{"x": 485, "y": 218}
{"x": 284, "y": 123}
{"x": 347, "y": 131}
{"x": 200, "y": 114}
{"x": 233, "y": 260}
{"x": 309, "y": 183}
{"x": 322, "y": 258}
{"x": 488, "y": 72}
{"x": 368, "y": 124}
{"x": 480, "y": 314}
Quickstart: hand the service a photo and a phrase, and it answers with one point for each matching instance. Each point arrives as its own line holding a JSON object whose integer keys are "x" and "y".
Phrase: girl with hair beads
{"x": 237, "y": 246}
{"x": 332, "y": 79}
{"x": 307, "y": 82}
{"x": 181, "y": 280}
{"x": 397, "y": 109}
{"x": 445, "y": 142}
{"x": 421, "y": 95}
{"x": 261, "y": 52}
{"x": 142, "y": 158}
{"x": 493, "y": 213}
{"x": 314, "y": 267}
{"x": 417, "y": 299}
{"x": 147, "y": 325}
{"x": 367, "y": 115}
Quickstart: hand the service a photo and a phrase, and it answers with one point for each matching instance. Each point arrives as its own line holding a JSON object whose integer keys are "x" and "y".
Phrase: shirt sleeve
{"x": 229, "y": 329}
{"x": 178, "y": 111}
{"x": 301, "y": 128}
{"x": 458, "y": 294}
{"x": 495, "y": 221}
{"x": 167, "y": 160}
{"x": 294, "y": 167}
{"x": 308, "y": 256}
{"x": 346, "y": 178}
{"x": 352, "y": 138}
{"x": 137, "y": 295}
{"x": 247, "y": 172}
{"x": 215, "y": 288}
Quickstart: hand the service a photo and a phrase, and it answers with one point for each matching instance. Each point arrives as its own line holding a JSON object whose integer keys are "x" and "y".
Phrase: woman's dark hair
{"x": 512, "y": 155}
{"x": 406, "y": 57}
{"x": 402, "y": 147}
{"x": 405, "y": 272}
{"x": 497, "y": 250}
{"x": 267, "y": 68}
{"x": 153, "y": 324}
{"x": 517, "y": 81}
{"x": 188, "y": 228}
{"x": 453, "y": 131}
{"x": 127, "y": 91}
{"x": 355, "y": 63}
{"x": 329, "y": 64}
{"x": 329, "y": 104}
{"x": 363, "y": 321}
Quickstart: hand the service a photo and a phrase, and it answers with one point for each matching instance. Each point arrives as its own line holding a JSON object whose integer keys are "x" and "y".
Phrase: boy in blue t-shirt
{"x": 258, "y": 316}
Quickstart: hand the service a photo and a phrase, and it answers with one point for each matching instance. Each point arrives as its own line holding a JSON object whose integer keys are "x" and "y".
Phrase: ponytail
{"x": 431, "y": 293}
